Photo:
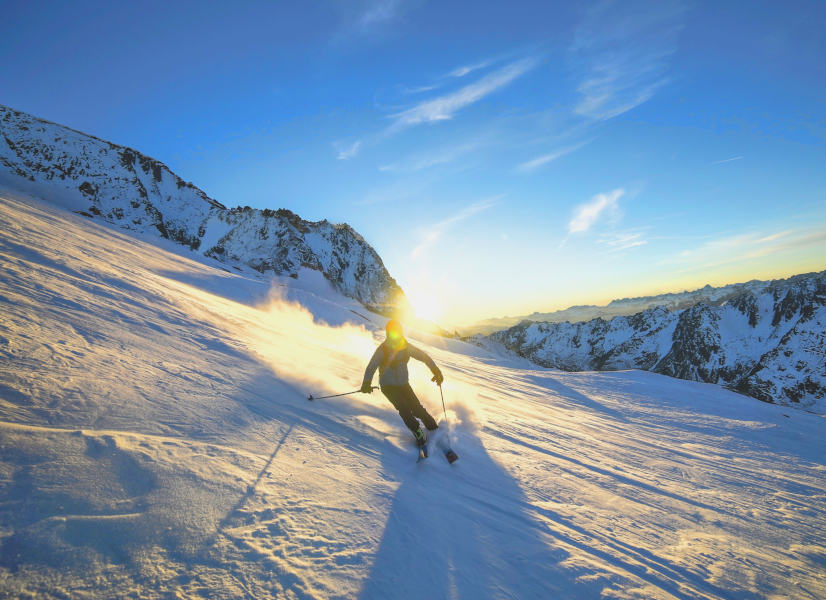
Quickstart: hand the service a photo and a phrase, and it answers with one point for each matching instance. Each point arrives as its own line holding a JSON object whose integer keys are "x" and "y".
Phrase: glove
{"x": 366, "y": 388}
{"x": 438, "y": 378}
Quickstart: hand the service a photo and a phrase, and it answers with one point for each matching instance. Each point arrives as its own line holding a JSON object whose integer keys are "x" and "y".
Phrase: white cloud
{"x": 435, "y": 158}
{"x": 725, "y": 160}
{"x": 407, "y": 190}
{"x": 623, "y": 50}
{"x": 349, "y": 151}
{"x": 444, "y": 107}
{"x": 585, "y": 215}
{"x": 436, "y": 230}
{"x": 378, "y": 13}
{"x": 440, "y": 108}
{"x": 368, "y": 18}
{"x": 623, "y": 241}
{"x": 774, "y": 236}
{"x": 414, "y": 164}
{"x": 747, "y": 246}
{"x": 467, "y": 69}
{"x": 543, "y": 160}
{"x": 418, "y": 90}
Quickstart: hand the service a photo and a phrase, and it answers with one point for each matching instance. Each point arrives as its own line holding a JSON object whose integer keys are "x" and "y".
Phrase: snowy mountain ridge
{"x": 121, "y": 186}
{"x": 767, "y": 342}
{"x": 623, "y": 307}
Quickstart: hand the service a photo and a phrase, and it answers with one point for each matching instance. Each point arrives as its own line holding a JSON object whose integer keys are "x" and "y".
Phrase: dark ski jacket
{"x": 392, "y": 363}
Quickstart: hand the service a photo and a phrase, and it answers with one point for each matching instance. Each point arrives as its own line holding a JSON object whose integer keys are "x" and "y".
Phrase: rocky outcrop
{"x": 124, "y": 187}
{"x": 768, "y": 342}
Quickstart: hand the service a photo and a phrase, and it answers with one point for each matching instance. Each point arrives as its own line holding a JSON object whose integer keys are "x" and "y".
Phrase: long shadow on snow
{"x": 468, "y": 531}
{"x": 462, "y": 531}
{"x": 452, "y": 531}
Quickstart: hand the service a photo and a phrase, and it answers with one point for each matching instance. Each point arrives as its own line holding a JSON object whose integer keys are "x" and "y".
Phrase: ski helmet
{"x": 393, "y": 329}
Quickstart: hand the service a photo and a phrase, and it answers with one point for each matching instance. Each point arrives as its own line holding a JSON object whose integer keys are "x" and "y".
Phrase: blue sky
{"x": 501, "y": 157}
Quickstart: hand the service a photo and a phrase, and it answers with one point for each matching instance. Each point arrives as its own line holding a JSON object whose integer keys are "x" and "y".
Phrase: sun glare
{"x": 425, "y": 304}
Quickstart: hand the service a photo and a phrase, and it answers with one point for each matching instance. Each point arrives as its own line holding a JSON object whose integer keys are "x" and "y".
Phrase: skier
{"x": 390, "y": 358}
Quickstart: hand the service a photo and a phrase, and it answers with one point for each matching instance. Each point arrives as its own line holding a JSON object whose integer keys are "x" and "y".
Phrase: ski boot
{"x": 421, "y": 442}
{"x": 421, "y": 438}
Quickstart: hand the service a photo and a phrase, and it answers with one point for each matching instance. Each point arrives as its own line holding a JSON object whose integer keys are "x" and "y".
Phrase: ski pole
{"x": 311, "y": 397}
{"x": 444, "y": 410}
{"x": 450, "y": 455}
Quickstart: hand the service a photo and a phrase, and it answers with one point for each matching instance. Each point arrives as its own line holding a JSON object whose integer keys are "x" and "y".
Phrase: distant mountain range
{"x": 713, "y": 296}
{"x": 102, "y": 180}
{"x": 764, "y": 339}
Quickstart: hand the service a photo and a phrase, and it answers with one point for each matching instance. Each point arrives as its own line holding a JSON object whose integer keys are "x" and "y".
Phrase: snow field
{"x": 156, "y": 441}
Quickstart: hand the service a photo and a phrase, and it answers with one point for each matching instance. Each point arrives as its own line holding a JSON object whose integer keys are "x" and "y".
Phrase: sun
{"x": 425, "y": 304}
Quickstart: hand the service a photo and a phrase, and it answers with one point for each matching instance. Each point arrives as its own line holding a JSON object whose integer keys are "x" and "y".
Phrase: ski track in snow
{"x": 156, "y": 441}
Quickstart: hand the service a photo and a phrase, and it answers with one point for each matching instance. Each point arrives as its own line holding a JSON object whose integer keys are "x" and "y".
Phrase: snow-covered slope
{"x": 122, "y": 186}
{"x": 625, "y": 307}
{"x": 769, "y": 343}
{"x": 156, "y": 442}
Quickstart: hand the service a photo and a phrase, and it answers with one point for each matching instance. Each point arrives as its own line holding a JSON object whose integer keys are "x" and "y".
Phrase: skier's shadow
{"x": 464, "y": 531}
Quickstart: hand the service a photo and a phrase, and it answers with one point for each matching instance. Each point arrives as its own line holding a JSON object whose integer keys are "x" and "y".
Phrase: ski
{"x": 451, "y": 456}
{"x": 442, "y": 441}
{"x": 444, "y": 446}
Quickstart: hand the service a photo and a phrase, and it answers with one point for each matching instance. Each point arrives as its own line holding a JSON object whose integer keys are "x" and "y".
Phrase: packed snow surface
{"x": 156, "y": 441}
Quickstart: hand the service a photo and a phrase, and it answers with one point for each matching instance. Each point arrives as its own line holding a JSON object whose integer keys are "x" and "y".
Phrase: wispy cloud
{"x": 586, "y": 215}
{"x": 541, "y": 161}
{"x": 725, "y": 160}
{"x": 446, "y": 106}
{"x": 436, "y": 158}
{"x": 418, "y": 90}
{"x": 457, "y": 73}
{"x": 616, "y": 242}
{"x": 436, "y": 230}
{"x": 378, "y": 13}
{"x": 623, "y": 50}
{"x": 467, "y": 69}
{"x": 348, "y": 151}
{"x": 737, "y": 248}
{"x": 439, "y": 108}
{"x": 406, "y": 190}
{"x": 365, "y": 19}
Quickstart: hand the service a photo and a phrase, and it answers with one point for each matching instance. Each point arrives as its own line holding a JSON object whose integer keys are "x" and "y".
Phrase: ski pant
{"x": 404, "y": 400}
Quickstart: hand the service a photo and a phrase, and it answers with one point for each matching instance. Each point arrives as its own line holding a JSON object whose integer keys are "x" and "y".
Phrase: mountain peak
{"x": 124, "y": 187}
